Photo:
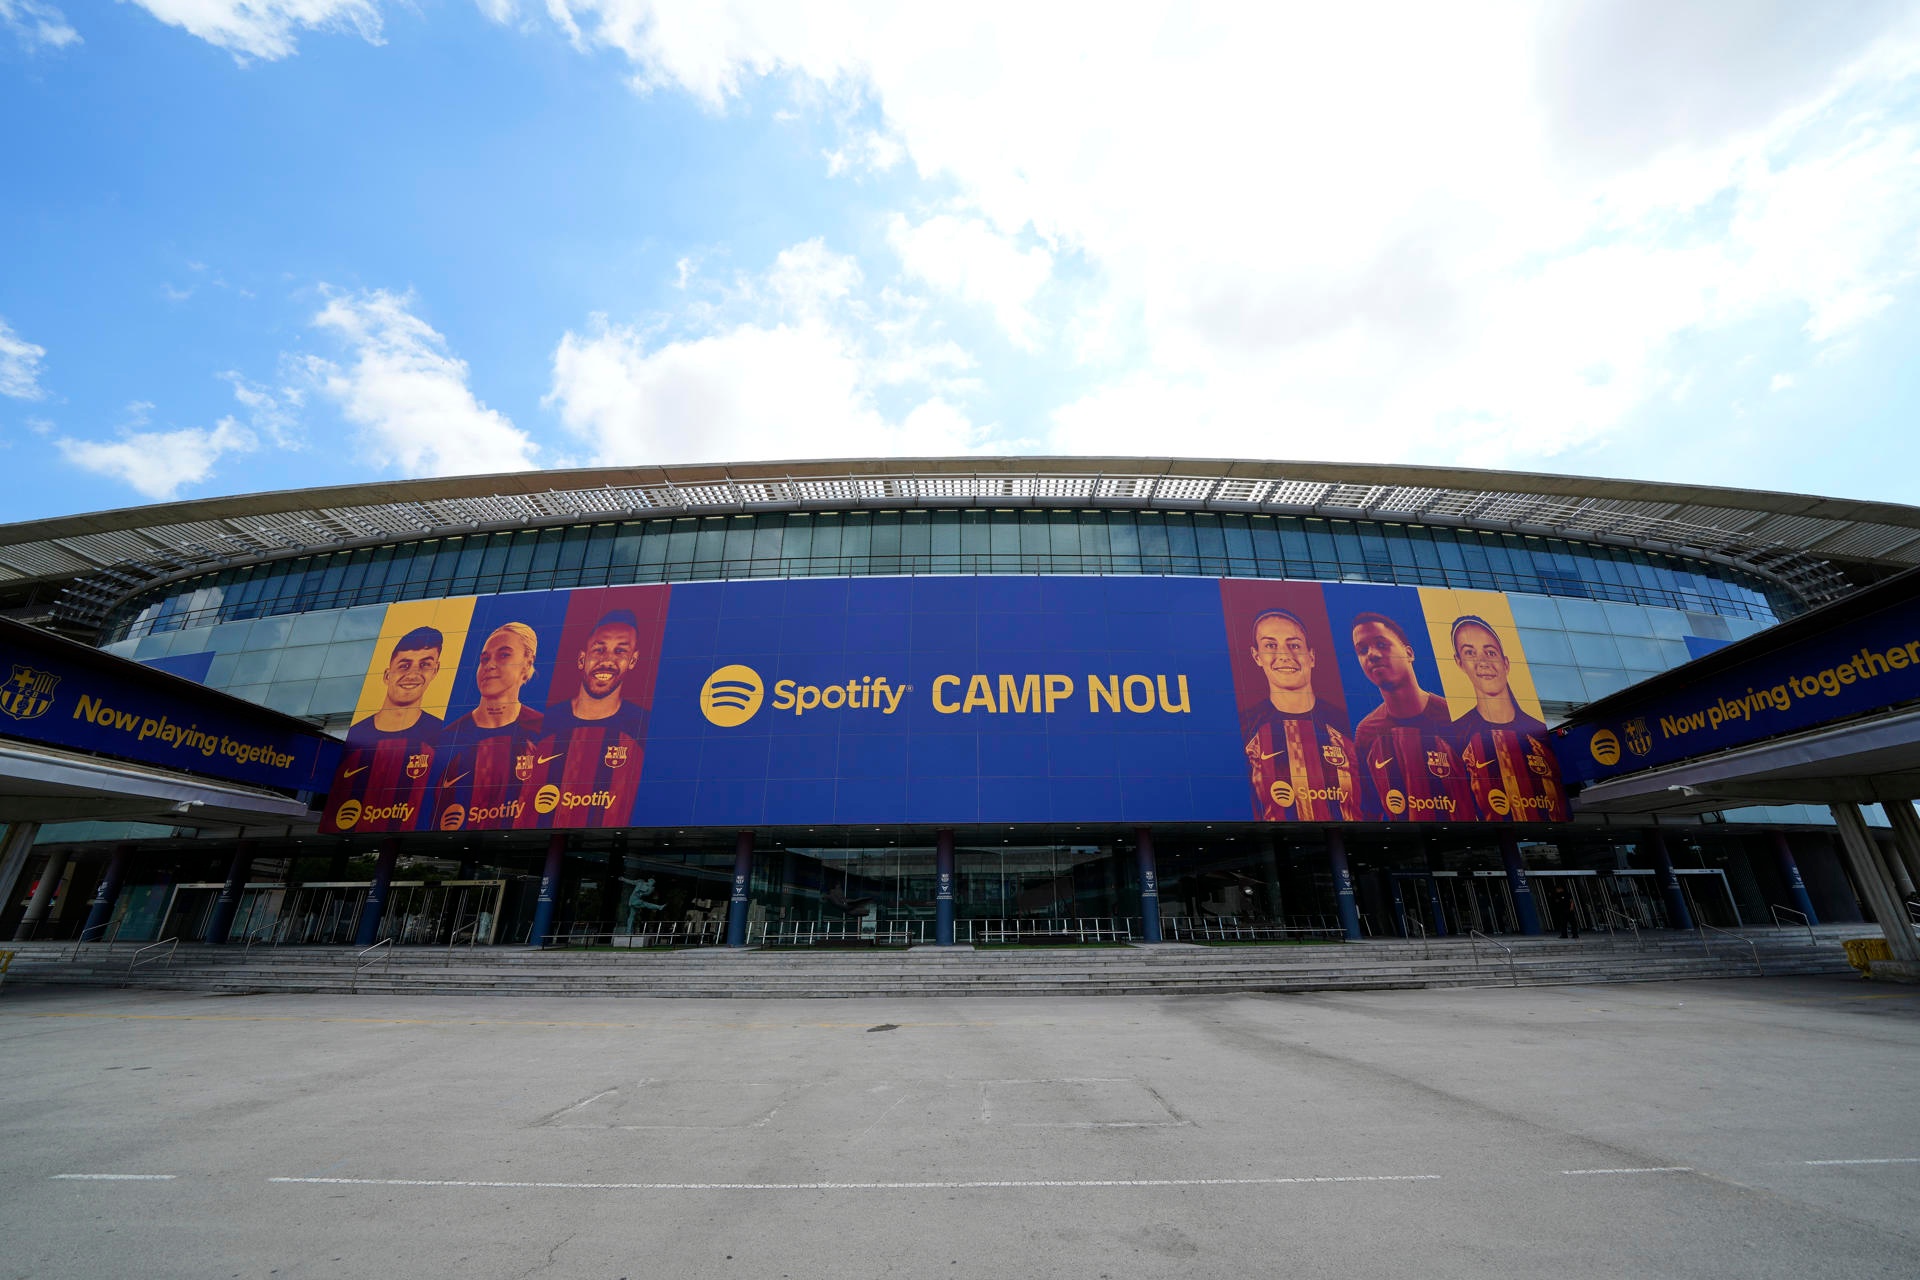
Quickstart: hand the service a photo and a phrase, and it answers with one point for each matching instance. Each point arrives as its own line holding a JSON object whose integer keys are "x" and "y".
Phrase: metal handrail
{"x": 1475, "y": 938}
{"x": 366, "y": 960}
{"x": 472, "y": 932}
{"x": 1801, "y": 916}
{"x": 1913, "y": 911}
{"x": 257, "y": 935}
{"x": 106, "y": 939}
{"x": 171, "y": 944}
{"x": 1412, "y": 924}
{"x": 1704, "y": 929}
{"x": 1631, "y": 923}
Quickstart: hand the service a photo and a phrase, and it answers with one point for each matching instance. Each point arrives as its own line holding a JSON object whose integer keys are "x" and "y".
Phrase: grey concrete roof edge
{"x": 529, "y": 482}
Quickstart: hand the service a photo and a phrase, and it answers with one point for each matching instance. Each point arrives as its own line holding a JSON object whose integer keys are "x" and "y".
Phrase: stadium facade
{"x": 916, "y": 701}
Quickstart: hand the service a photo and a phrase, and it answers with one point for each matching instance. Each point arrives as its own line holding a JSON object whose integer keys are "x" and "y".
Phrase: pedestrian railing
{"x": 1048, "y": 929}
{"x": 1234, "y": 929}
{"x": 1799, "y": 920}
{"x": 1475, "y": 938}
{"x": 380, "y": 953}
{"x": 1704, "y": 929}
{"x": 1632, "y": 924}
{"x": 162, "y": 952}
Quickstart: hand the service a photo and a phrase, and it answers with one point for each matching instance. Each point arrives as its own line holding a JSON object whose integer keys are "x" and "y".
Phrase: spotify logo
{"x": 1605, "y": 747}
{"x": 731, "y": 696}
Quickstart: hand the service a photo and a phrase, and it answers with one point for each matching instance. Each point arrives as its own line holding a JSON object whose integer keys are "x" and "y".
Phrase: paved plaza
{"x": 1748, "y": 1128}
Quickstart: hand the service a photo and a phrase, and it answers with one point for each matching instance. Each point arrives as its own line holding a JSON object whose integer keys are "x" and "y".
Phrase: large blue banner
{"x": 1873, "y": 663}
{"x": 67, "y": 696}
{"x": 848, "y": 701}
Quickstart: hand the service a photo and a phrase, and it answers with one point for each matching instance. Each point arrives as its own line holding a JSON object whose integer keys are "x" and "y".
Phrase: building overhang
{"x": 45, "y": 784}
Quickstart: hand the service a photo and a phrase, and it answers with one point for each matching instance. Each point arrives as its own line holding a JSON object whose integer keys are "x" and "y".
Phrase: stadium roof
{"x": 1793, "y": 539}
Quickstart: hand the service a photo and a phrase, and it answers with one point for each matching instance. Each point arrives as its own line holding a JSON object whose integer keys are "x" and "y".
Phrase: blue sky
{"x": 276, "y": 243}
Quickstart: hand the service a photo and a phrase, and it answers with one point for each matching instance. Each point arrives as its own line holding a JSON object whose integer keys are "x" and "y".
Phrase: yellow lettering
{"x": 1167, "y": 704}
{"x": 1107, "y": 691}
{"x": 1145, "y": 702}
{"x": 1021, "y": 699}
{"x": 979, "y": 694}
{"x": 944, "y": 707}
{"x": 1058, "y": 687}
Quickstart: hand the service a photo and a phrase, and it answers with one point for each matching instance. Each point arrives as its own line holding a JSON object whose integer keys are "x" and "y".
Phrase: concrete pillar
{"x": 1149, "y": 884}
{"x": 376, "y": 904}
{"x": 742, "y": 880}
{"x": 1896, "y": 865}
{"x": 543, "y": 907}
{"x": 1270, "y": 867}
{"x": 1524, "y": 907}
{"x": 1875, "y": 886}
{"x": 1906, "y": 834}
{"x": 1790, "y": 872}
{"x": 1435, "y": 863}
{"x": 13, "y": 859}
{"x": 1678, "y": 917}
{"x": 1343, "y": 885}
{"x": 42, "y": 896}
{"x": 943, "y": 887}
{"x": 101, "y": 910}
{"x": 231, "y": 892}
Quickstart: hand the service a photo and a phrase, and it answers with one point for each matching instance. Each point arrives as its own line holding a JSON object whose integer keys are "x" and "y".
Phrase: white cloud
{"x": 265, "y": 29}
{"x": 968, "y": 259}
{"x": 1781, "y": 382}
{"x": 408, "y": 394}
{"x": 37, "y": 25}
{"x": 273, "y": 415}
{"x": 795, "y": 363}
{"x": 1481, "y": 235}
{"x": 157, "y": 464}
{"x": 19, "y": 365}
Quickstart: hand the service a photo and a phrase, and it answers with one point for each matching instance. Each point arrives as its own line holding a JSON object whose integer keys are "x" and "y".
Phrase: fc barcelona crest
{"x": 1440, "y": 763}
{"x": 417, "y": 764}
{"x": 1537, "y": 759}
{"x": 523, "y": 766}
{"x": 1639, "y": 737}
{"x": 616, "y": 756}
{"x": 29, "y": 693}
{"x": 1334, "y": 755}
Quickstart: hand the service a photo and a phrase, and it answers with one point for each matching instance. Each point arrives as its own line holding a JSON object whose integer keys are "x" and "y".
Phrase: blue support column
{"x": 1149, "y": 884}
{"x": 376, "y": 904}
{"x": 104, "y": 896}
{"x": 543, "y": 906}
{"x": 1790, "y": 872}
{"x": 1678, "y": 917}
{"x": 742, "y": 879}
{"x": 1399, "y": 905}
{"x": 1343, "y": 885}
{"x": 1523, "y": 904}
{"x": 943, "y": 887}
{"x": 228, "y": 903}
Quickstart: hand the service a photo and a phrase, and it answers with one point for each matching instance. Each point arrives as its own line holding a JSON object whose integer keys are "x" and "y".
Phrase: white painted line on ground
{"x": 1886, "y": 1160}
{"x": 114, "y": 1177}
{"x": 1677, "y": 1168}
{"x": 854, "y": 1186}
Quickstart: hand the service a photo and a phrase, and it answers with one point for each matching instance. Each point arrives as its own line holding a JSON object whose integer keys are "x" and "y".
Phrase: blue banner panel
{"x": 1873, "y": 663}
{"x": 950, "y": 700}
{"x": 69, "y": 696}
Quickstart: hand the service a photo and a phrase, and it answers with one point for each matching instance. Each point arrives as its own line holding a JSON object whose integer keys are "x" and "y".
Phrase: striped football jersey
{"x": 481, "y": 771}
{"x": 1303, "y": 768}
{"x": 586, "y": 772}
{"x": 384, "y": 778}
{"x": 1411, "y": 770}
{"x": 1513, "y": 772}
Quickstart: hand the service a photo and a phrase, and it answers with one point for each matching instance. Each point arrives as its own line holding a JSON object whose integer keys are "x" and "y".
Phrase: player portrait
{"x": 1301, "y": 761}
{"x": 1503, "y": 749}
{"x": 587, "y": 764}
{"x": 385, "y": 772}
{"x": 1408, "y": 767}
{"x": 491, "y": 749}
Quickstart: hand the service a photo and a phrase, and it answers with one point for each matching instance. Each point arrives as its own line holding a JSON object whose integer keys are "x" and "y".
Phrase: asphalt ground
{"x": 1751, "y": 1128}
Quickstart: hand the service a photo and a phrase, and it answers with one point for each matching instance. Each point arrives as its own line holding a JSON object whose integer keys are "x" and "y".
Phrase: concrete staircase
{"x": 1166, "y": 969}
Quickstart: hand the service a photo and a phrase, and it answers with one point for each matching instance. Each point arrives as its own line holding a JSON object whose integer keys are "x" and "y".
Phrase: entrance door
{"x": 1709, "y": 896}
{"x": 1492, "y": 902}
{"x": 1586, "y": 899}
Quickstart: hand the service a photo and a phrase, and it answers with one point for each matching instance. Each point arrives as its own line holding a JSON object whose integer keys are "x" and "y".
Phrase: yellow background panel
{"x": 450, "y": 617}
{"x": 1444, "y": 604}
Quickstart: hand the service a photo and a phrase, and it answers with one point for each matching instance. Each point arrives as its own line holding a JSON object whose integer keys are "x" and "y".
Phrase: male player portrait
{"x": 489, "y": 752}
{"x": 1302, "y": 765}
{"x": 1511, "y": 769}
{"x": 1412, "y": 773}
{"x": 388, "y": 762}
{"x": 587, "y": 767}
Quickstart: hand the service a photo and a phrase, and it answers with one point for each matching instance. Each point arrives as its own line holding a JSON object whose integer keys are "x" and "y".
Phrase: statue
{"x": 637, "y": 901}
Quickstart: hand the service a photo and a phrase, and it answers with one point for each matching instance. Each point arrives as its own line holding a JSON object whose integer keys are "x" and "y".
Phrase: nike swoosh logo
{"x": 447, "y": 782}
{"x": 1380, "y": 764}
{"x": 348, "y": 773}
{"x": 555, "y": 756}
{"x": 1271, "y": 754}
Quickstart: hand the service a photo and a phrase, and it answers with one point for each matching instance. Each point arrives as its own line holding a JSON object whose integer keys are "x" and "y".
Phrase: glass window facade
{"x": 1588, "y": 580}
